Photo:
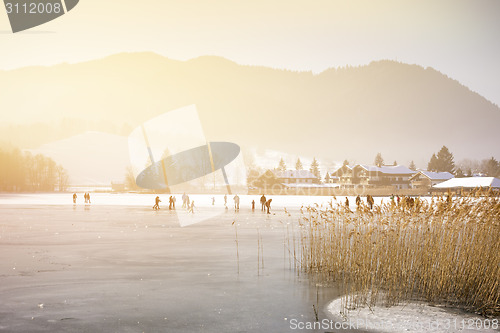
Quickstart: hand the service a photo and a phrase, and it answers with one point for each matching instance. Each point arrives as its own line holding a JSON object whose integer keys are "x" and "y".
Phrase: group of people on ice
{"x": 403, "y": 201}
{"x": 186, "y": 203}
{"x": 86, "y": 196}
{"x": 265, "y": 204}
{"x": 406, "y": 201}
{"x": 369, "y": 201}
{"x": 189, "y": 204}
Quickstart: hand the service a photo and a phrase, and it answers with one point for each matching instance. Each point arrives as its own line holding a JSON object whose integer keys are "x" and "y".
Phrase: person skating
{"x": 263, "y": 202}
{"x": 157, "y": 203}
{"x": 184, "y": 198}
{"x": 370, "y": 201}
{"x": 74, "y": 198}
{"x": 236, "y": 202}
{"x": 268, "y": 205}
{"x": 253, "y": 205}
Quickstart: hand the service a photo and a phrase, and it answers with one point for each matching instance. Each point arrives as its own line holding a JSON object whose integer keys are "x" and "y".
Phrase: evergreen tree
{"x": 492, "y": 167}
{"x": 412, "y": 166}
{"x": 346, "y": 162}
{"x": 315, "y": 168}
{"x": 282, "y": 165}
{"x": 433, "y": 163}
{"x": 460, "y": 173}
{"x": 298, "y": 165}
{"x": 327, "y": 177}
{"x": 445, "y": 162}
{"x": 379, "y": 161}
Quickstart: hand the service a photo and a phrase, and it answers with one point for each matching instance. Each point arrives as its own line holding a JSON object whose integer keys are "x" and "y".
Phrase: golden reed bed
{"x": 441, "y": 250}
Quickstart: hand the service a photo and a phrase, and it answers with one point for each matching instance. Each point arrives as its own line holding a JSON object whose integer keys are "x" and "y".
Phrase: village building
{"x": 331, "y": 178}
{"x": 296, "y": 177}
{"x": 397, "y": 176}
{"x": 426, "y": 179}
{"x": 344, "y": 176}
{"x": 466, "y": 184}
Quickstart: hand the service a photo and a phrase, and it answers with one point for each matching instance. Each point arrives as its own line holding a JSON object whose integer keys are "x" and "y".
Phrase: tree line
{"x": 442, "y": 161}
{"x": 23, "y": 172}
{"x": 256, "y": 178}
{"x": 298, "y": 166}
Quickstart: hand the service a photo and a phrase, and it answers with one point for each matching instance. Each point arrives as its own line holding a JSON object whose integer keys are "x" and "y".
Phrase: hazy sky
{"x": 457, "y": 37}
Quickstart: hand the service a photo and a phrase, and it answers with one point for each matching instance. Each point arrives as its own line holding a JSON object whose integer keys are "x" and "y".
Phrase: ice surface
{"x": 118, "y": 266}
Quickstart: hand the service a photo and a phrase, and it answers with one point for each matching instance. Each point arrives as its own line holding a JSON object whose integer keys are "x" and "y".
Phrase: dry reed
{"x": 440, "y": 251}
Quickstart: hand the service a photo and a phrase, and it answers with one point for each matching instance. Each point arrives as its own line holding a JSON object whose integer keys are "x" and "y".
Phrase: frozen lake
{"x": 118, "y": 266}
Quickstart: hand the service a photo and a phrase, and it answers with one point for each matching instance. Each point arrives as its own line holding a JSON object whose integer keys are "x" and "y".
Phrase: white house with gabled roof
{"x": 469, "y": 183}
{"x": 426, "y": 179}
{"x": 344, "y": 176}
{"x": 385, "y": 175}
{"x": 373, "y": 176}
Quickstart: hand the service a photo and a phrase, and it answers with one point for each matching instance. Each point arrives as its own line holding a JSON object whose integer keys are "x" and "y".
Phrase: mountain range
{"x": 406, "y": 112}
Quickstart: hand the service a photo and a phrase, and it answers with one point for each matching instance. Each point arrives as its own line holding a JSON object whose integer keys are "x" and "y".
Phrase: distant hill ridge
{"x": 403, "y": 111}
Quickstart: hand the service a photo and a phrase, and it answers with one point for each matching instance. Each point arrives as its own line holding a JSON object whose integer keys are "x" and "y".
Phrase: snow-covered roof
{"x": 435, "y": 175}
{"x": 295, "y": 174}
{"x": 470, "y": 182}
{"x": 350, "y": 167}
{"x": 388, "y": 169}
